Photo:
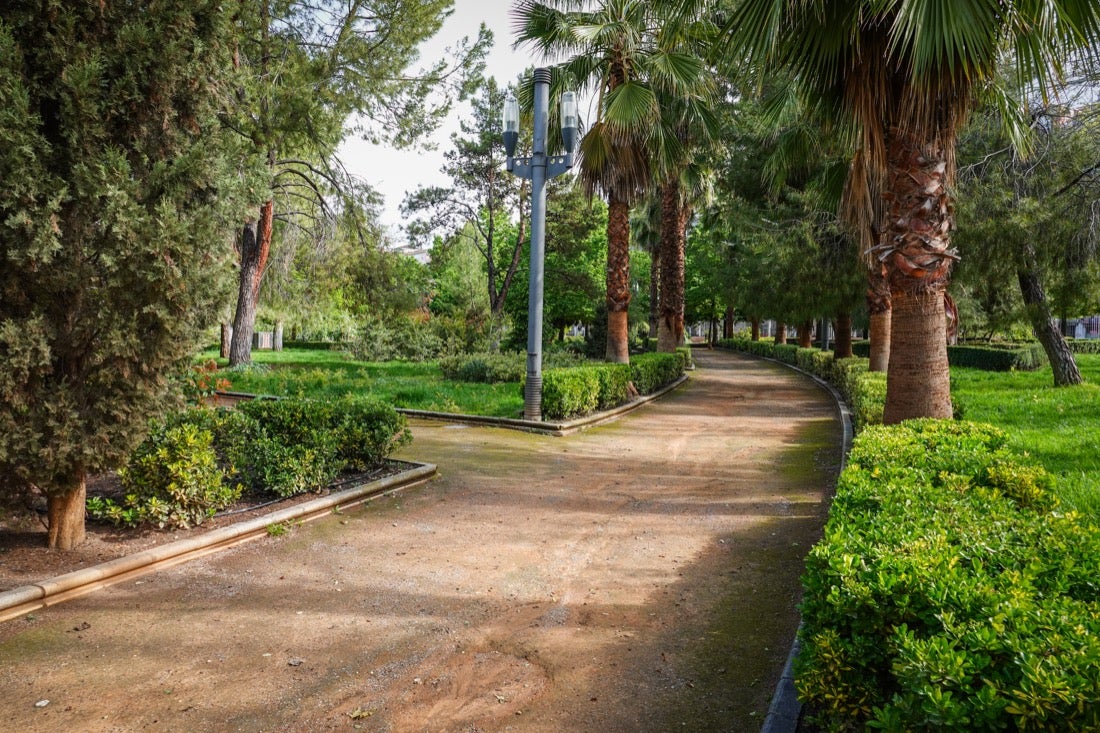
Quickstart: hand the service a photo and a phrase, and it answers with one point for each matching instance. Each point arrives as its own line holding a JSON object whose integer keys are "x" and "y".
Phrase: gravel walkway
{"x": 639, "y": 576}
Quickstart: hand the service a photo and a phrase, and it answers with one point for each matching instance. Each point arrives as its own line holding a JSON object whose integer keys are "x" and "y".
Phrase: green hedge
{"x": 1084, "y": 346}
{"x": 197, "y": 461}
{"x": 574, "y": 391}
{"x": 948, "y": 592}
{"x": 1007, "y": 358}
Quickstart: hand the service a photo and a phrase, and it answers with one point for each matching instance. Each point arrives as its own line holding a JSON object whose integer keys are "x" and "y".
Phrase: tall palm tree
{"x": 905, "y": 74}
{"x": 613, "y": 48}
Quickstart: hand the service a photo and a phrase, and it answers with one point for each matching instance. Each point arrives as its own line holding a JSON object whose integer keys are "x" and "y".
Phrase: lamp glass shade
{"x": 569, "y": 110}
{"x": 511, "y": 114}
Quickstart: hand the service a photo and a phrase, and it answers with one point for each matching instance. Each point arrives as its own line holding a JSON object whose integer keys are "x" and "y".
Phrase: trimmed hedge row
{"x": 574, "y": 391}
{"x": 988, "y": 357}
{"x": 200, "y": 460}
{"x": 1084, "y": 346}
{"x": 505, "y": 366}
{"x": 948, "y": 594}
{"x": 865, "y": 392}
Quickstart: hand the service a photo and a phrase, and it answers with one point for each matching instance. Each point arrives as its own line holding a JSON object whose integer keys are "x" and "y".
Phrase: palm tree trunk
{"x": 805, "y": 334}
{"x": 255, "y": 246}
{"x": 670, "y": 328}
{"x": 878, "y": 308}
{"x": 842, "y": 349}
{"x": 66, "y": 517}
{"x": 1061, "y": 358}
{"x": 915, "y": 383}
{"x": 618, "y": 281}
{"x": 918, "y": 261}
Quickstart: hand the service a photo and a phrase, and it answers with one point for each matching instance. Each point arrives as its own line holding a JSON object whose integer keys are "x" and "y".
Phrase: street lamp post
{"x": 537, "y": 169}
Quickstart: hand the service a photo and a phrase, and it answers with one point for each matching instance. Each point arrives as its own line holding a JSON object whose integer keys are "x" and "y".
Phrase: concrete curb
{"x": 564, "y": 427}
{"x": 22, "y": 600}
{"x": 785, "y": 709}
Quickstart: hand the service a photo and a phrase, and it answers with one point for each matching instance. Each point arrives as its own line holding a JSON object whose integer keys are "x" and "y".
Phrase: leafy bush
{"x": 405, "y": 339}
{"x": 650, "y": 372}
{"x": 947, "y": 595}
{"x": 508, "y": 366}
{"x": 172, "y": 480}
{"x": 568, "y": 393}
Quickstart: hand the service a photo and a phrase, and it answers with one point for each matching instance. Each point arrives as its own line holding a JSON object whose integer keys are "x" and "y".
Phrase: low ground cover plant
{"x": 951, "y": 592}
{"x": 198, "y": 461}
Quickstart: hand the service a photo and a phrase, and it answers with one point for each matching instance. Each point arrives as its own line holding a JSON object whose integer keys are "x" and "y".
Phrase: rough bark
{"x": 842, "y": 349}
{"x": 1057, "y": 350}
{"x": 226, "y": 340}
{"x": 780, "y": 332}
{"x": 880, "y": 342}
{"x": 255, "y": 246}
{"x": 618, "y": 281}
{"x": 66, "y": 518}
{"x": 805, "y": 334}
{"x": 916, "y": 251}
{"x": 917, "y": 384}
{"x": 878, "y": 308}
{"x": 670, "y": 330}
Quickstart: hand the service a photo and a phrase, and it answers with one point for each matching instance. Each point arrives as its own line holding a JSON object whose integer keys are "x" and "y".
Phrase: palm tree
{"x": 905, "y": 75}
{"x": 615, "y": 50}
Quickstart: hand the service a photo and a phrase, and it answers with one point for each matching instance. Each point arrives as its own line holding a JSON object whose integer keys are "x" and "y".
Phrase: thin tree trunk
{"x": 842, "y": 349}
{"x": 618, "y": 281}
{"x": 754, "y": 325}
{"x": 727, "y": 323}
{"x": 255, "y": 246}
{"x": 654, "y": 294}
{"x": 805, "y": 334}
{"x": 918, "y": 259}
{"x": 780, "y": 332}
{"x": 66, "y": 518}
{"x": 915, "y": 386}
{"x": 226, "y": 340}
{"x": 1061, "y": 358}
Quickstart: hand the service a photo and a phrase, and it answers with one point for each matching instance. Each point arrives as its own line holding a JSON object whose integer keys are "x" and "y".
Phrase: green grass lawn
{"x": 1059, "y": 427}
{"x": 418, "y": 386}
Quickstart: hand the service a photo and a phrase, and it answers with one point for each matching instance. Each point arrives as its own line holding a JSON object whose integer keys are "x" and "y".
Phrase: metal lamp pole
{"x": 537, "y": 169}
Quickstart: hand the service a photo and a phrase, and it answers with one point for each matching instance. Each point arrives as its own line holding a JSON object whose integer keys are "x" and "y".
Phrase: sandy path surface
{"x": 640, "y": 576}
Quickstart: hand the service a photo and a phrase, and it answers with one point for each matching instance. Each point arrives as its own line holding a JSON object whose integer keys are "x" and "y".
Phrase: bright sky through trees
{"x": 394, "y": 172}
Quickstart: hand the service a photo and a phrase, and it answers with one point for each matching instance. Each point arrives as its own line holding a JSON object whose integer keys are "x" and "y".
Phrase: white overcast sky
{"x": 394, "y": 172}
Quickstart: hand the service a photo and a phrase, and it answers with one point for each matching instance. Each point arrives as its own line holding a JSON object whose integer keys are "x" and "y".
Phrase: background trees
{"x": 113, "y": 216}
{"x": 311, "y": 72}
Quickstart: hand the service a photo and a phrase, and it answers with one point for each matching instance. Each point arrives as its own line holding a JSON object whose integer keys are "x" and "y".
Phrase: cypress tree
{"x": 112, "y": 213}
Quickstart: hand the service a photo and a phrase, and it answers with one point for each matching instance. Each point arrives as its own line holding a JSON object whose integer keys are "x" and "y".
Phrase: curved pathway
{"x": 639, "y": 576}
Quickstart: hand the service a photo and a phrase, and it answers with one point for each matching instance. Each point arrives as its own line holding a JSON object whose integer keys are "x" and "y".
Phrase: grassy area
{"x": 1060, "y": 427}
{"x": 315, "y": 373}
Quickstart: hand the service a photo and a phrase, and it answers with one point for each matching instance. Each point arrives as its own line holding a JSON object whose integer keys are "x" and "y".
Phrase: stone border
{"x": 20, "y": 601}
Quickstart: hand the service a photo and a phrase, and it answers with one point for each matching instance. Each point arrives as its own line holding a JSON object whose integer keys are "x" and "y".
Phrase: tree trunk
{"x": 917, "y": 255}
{"x": 755, "y": 326}
{"x": 842, "y": 349}
{"x": 674, "y": 216}
{"x": 780, "y": 332}
{"x": 255, "y": 246}
{"x": 226, "y": 340}
{"x": 727, "y": 323}
{"x": 918, "y": 381}
{"x": 806, "y": 334}
{"x": 654, "y": 295}
{"x": 618, "y": 281}
{"x": 878, "y": 308}
{"x": 66, "y": 518}
{"x": 1061, "y": 358}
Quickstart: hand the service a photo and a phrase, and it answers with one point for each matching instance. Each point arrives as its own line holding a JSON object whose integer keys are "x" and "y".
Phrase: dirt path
{"x": 640, "y": 576}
